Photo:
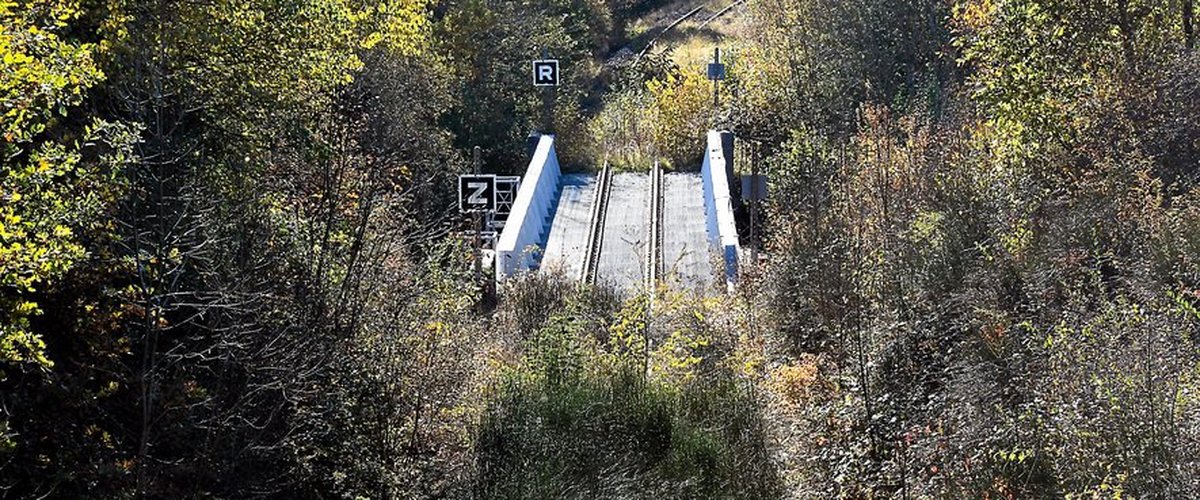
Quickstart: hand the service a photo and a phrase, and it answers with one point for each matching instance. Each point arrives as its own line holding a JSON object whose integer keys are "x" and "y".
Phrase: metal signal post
{"x": 478, "y": 243}
{"x": 546, "y": 75}
{"x": 716, "y": 73}
{"x": 756, "y": 156}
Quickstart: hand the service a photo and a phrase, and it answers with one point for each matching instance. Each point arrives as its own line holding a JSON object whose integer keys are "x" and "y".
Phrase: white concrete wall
{"x": 718, "y": 206}
{"x": 516, "y": 250}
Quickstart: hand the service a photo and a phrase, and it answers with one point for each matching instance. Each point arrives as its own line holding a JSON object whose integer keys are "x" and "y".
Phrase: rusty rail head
{"x": 653, "y": 265}
{"x": 595, "y": 237}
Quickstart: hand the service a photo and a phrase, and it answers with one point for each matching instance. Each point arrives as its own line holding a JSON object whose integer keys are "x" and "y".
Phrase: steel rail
{"x": 595, "y": 237}
{"x": 685, "y": 17}
{"x": 669, "y": 27}
{"x": 654, "y": 237}
{"x": 720, "y": 13}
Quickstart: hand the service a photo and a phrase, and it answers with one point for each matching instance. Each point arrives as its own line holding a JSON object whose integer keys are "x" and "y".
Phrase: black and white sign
{"x": 476, "y": 193}
{"x": 545, "y": 73}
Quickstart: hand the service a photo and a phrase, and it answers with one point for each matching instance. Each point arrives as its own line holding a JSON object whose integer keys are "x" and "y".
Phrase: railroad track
{"x": 690, "y": 14}
{"x": 720, "y": 13}
{"x": 595, "y": 236}
{"x": 654, "y": 238}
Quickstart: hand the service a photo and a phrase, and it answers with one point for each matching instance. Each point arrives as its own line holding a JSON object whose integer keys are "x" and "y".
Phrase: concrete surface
{"x": 567, "y": 242}
{"x": 517, "y": 247}
{"x": 687, "y": 254}
{"x": 623, "y": 252}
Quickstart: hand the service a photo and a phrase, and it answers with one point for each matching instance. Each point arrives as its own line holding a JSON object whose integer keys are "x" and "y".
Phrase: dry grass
{"x": 693, "y": 39}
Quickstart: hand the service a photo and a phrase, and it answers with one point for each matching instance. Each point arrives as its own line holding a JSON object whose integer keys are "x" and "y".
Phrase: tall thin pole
{"x": 478, "y": 241}
{"x": 755, "y": 156}
{"x": 548, "y": 101}
{"x": 717, "y": 81}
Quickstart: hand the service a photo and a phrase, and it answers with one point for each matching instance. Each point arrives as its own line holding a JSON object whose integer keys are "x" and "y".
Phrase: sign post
{"x": 546, "y": 76}
{"x": 475, "y": 168}
{"x": 477, "y": 196}
{"x": 716, "y": 73}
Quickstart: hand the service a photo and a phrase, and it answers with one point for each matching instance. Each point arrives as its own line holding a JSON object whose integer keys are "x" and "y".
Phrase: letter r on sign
{"x": 545, "y": 73}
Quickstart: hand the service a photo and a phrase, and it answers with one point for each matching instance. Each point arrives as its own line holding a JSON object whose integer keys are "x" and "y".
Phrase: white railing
{"x": 517, "y": 248}
{"x": 718, "y": 206}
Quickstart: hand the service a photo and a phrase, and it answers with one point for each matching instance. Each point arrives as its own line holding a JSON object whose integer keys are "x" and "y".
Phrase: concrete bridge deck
{"x": 625, "y": 232}
{"x": 567, "y": 240}
{"x": 573, "y": 223}
{"x": 687, "y": 256}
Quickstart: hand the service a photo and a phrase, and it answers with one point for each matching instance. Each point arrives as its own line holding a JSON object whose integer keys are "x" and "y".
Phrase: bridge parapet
{"x": 516, "y": 247}
{"x": 718, "y": 204}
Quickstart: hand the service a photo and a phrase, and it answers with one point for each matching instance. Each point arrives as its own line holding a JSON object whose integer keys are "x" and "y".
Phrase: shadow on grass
{"x": 617, "y": 436}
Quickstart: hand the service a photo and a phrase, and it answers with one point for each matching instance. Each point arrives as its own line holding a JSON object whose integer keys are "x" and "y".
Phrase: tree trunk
{"x": 1128, "y": 35}
{"x": 1189, "y": 28}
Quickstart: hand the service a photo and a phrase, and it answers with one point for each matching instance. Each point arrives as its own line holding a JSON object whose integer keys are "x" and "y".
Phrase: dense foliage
{"x": 986, "y": 282}
{"x": 609, "y": 405}
{"x": 230, "y": 264}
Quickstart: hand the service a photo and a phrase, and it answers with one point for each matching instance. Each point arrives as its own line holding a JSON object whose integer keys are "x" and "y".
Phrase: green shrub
{"x": 575, "y": 421}
{"x": 614, "y": 436}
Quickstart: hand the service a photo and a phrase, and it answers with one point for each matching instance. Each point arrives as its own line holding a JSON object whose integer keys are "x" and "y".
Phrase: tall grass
{"x": 616, "y": 435}
{"x": 589, "y": 411}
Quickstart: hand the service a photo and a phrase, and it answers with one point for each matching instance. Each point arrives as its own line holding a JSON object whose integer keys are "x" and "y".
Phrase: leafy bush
{"x": 983, "y": 328}
{"x": 589, "y": 413}
{"x": 660, "y": 119}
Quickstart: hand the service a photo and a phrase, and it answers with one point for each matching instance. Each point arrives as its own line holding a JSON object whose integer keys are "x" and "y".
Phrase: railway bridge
{"x": 625, "y": 229}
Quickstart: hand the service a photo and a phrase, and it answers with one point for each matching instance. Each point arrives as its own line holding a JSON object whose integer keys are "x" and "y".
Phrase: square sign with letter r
{"x": 545, "y": 73}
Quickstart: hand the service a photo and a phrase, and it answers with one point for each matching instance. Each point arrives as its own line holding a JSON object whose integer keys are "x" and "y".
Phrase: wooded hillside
{"x": 232, "y": 263}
